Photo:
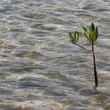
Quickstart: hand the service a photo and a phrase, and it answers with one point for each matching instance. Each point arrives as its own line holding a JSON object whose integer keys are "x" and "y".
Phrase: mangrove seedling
{"x": 91, "y": 34}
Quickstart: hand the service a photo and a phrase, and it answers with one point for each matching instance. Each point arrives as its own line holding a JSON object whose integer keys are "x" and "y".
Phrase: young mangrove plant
{"x": 91, "y": 34}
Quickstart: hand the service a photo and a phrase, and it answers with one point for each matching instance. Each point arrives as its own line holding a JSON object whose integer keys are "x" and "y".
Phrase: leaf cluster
{"x": 89, "y": 32}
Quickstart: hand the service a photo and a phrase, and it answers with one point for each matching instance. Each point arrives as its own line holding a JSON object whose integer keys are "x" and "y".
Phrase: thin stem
{"x": 81, "y": 47}
{"x": 94, "y": 64}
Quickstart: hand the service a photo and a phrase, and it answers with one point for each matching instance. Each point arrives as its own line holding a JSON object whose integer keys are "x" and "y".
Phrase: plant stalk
{"x": 95, "y": 68}
{"x": 82, "y": 47}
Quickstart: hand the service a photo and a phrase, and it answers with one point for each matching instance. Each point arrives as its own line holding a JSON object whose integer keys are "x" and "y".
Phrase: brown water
{"x": 39, "y": 68}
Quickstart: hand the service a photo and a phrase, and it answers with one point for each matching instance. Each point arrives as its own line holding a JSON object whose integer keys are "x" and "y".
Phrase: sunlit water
{"x": 40, "y": 68}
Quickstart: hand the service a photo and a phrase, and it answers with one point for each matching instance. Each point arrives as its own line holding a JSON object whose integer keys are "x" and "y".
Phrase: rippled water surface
{"x": 39, "y": 68}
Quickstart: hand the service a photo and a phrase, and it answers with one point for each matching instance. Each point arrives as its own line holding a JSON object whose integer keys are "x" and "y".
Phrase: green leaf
{"x": 74, "y": 36}
{"x": 92, "y": 27}
{"x": 93, "y": 36}
{"x": 84, "y": 29}
{"x": 85, "y": 32}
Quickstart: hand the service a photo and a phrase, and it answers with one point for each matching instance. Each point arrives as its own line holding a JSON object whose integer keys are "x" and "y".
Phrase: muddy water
{"x": 39, "y": 68}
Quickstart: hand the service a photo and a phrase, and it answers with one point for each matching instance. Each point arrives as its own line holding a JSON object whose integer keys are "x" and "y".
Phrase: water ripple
{"x": 39, "y": 65}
